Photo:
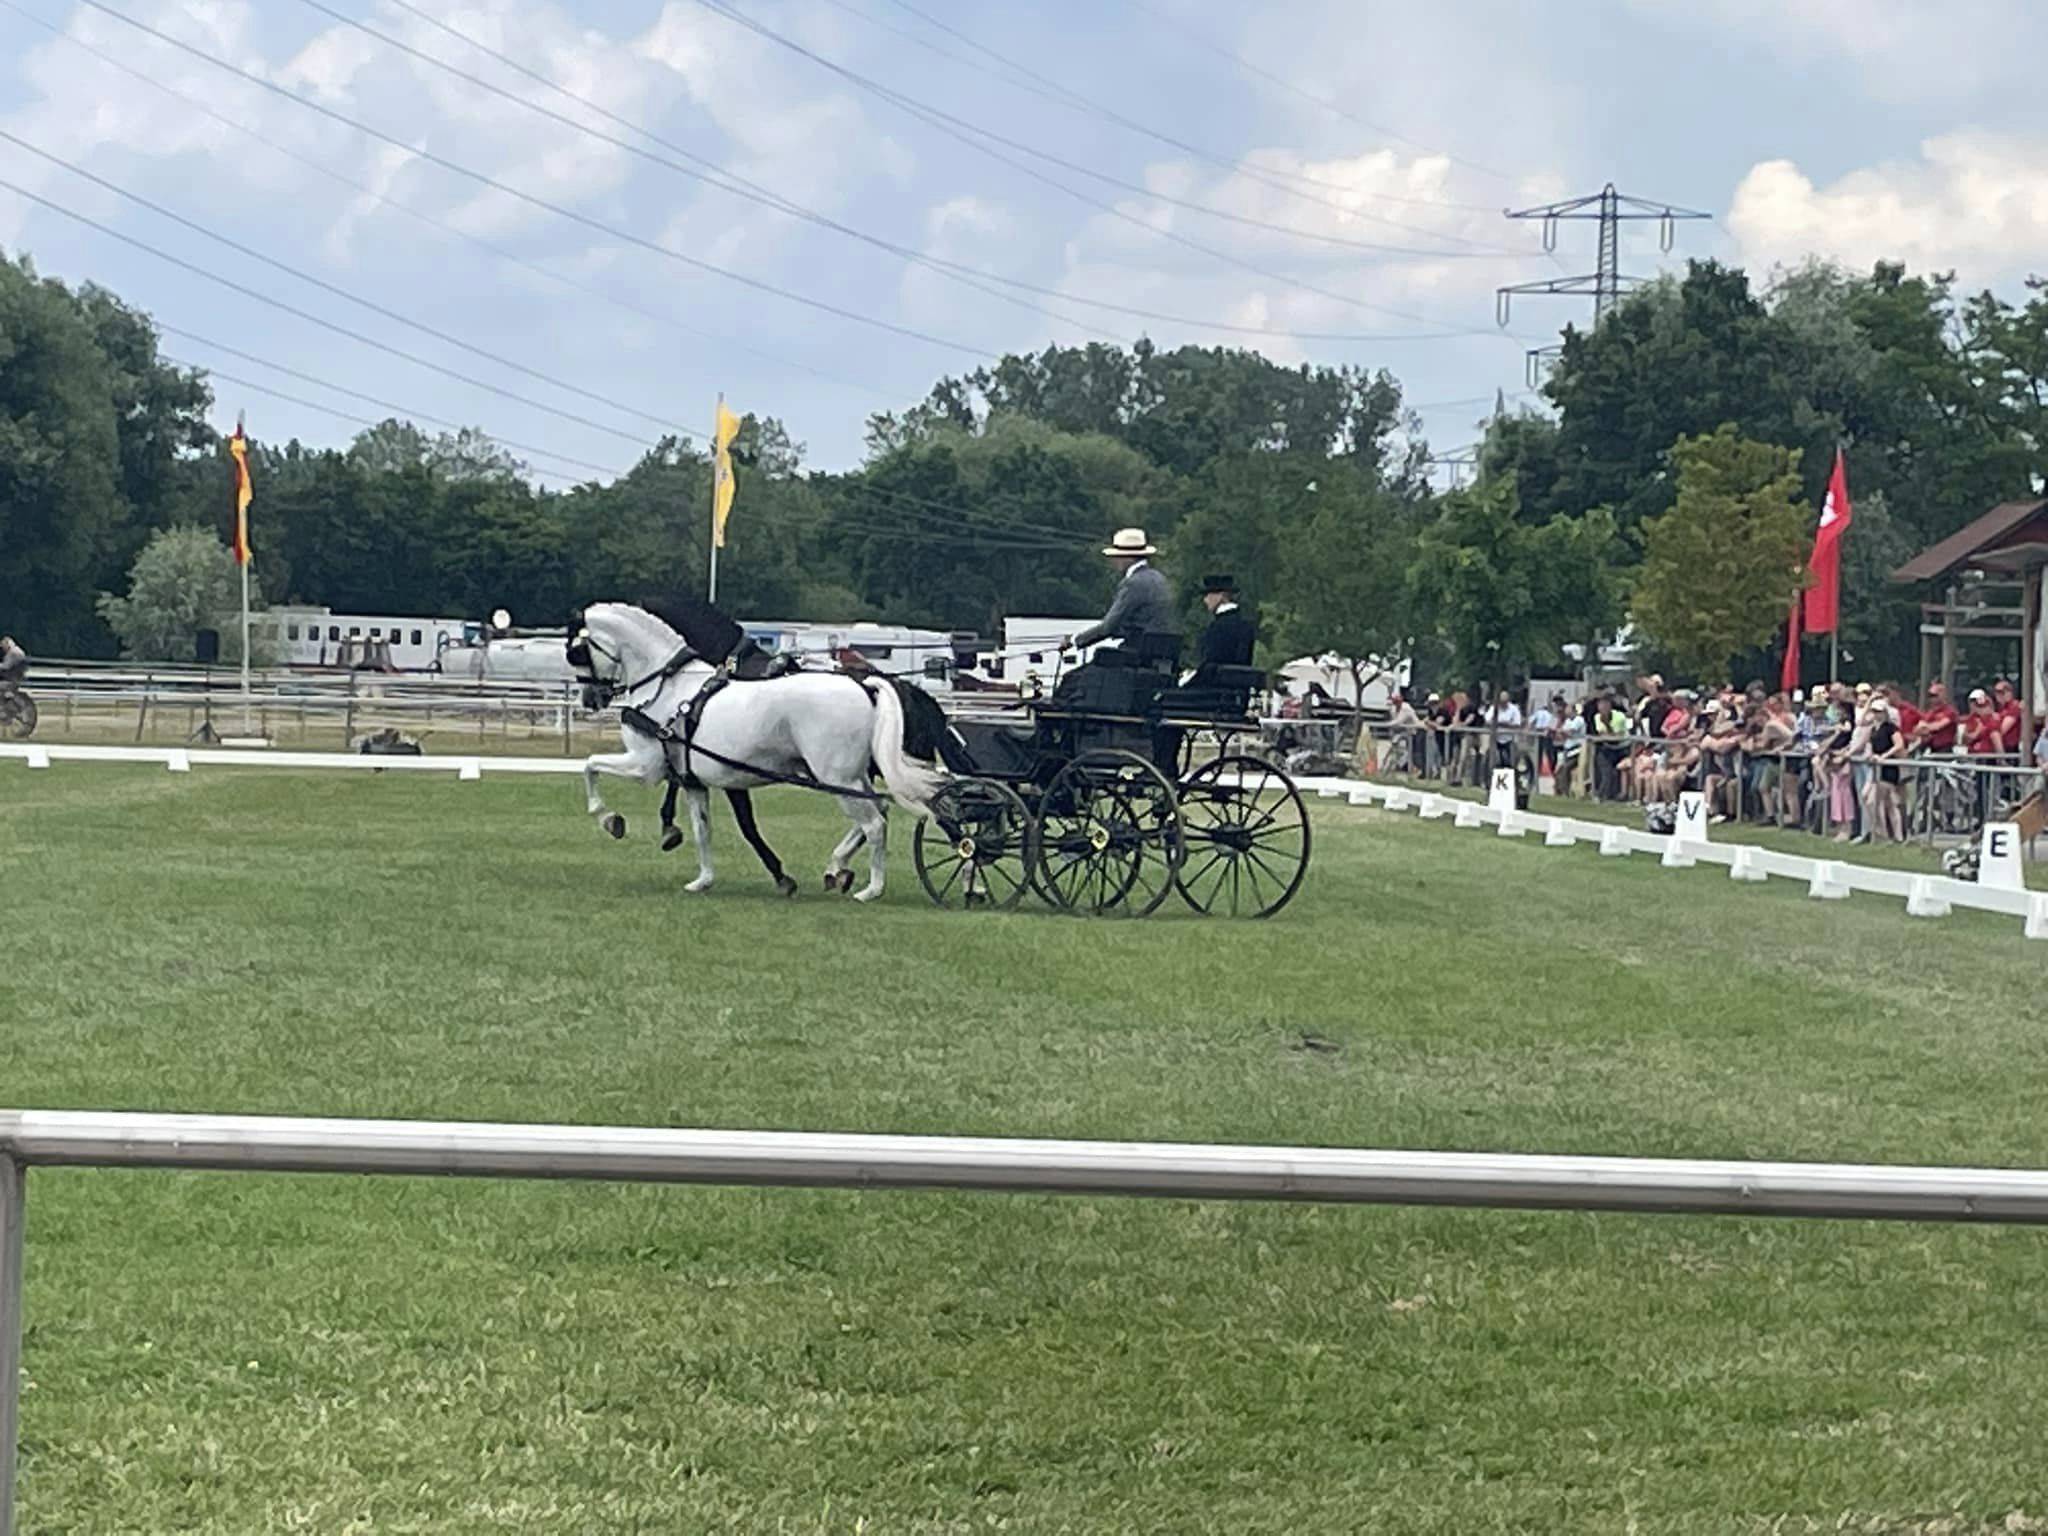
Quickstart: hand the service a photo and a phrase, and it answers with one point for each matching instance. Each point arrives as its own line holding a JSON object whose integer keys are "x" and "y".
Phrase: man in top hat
{"x": 1231, "y": 634}
{"x": 1143, "y": 604}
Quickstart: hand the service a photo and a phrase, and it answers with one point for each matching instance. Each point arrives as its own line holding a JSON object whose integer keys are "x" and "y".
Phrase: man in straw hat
{"x": 1143, "y": 604}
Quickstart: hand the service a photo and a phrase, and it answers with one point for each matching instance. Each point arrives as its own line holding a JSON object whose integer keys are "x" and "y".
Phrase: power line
{"x": 441, "y": 225}
{"x": 718, "y": 177}
{"x": 324, "y": 286}
{"x": 1606, "y": 282}
{"x": 407, "y": 412}
{"x": 349, "y": 416}
{"x": 1204, "y": 40}
{"x": 972, "y": 135}
{"x": 558, "y": 209}
{"x": 1053, "y": 90}
{"x": 312, "y": 319}
{"x": 731, "y": 182}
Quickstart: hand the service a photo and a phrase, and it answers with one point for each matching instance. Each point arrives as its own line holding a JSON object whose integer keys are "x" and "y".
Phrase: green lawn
{"x": 234, "y": 1354}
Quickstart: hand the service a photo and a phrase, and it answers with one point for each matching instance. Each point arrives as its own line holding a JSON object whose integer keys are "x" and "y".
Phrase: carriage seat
{"x": 1222, "y": 693}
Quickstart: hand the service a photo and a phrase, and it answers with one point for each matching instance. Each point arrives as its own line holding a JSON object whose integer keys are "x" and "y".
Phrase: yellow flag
{"x": 725, "y": 428}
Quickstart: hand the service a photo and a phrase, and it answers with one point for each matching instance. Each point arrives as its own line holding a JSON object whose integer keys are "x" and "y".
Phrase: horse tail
{"x": 912, "y": 783}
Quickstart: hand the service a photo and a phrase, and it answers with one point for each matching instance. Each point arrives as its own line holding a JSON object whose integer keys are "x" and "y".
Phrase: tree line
{"x": 1671, "y": 483}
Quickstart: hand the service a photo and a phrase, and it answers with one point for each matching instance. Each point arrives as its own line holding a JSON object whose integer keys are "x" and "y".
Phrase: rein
{"x": 647, "y": 725}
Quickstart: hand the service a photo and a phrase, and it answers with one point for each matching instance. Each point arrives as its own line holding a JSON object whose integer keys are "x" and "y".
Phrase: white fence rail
{"x": 61, "y": 1138}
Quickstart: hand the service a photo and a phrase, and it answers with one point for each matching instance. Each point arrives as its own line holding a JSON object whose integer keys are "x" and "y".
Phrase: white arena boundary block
{"x": 178, "y": 762}
{"x": 1829, "y": 882}
{"x": 1923, "y": 901}
{"x": 1748, "y": 864}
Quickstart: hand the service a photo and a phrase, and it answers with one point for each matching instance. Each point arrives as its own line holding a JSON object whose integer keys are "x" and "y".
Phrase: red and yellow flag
{"x": 238, "y": 450}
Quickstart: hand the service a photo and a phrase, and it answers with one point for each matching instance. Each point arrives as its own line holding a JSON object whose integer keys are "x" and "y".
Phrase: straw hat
{"x": 1130, "y": 542}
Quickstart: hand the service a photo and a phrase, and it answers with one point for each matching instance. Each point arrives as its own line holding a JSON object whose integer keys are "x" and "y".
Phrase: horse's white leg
{"x": 836, "y": 865}
{"x": 700, "y": 824}
{"x": 875, "y": 823}
{"x": 642, "y": 763}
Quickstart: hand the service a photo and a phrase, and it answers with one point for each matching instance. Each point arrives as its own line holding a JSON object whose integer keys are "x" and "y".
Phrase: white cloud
{"x": 1972, "y": 201}
{"x": 1898, "y": 50}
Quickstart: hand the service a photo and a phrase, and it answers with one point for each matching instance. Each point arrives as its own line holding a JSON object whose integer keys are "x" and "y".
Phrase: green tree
{"x": 1343, "y": 584}
{"x": 183, "y": 581}
{"x": 1506, "y": 594}
{"x": 1720, "y": 568}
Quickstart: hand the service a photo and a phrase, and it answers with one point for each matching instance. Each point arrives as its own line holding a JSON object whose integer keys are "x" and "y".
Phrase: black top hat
{"x": 1219, "y": 583}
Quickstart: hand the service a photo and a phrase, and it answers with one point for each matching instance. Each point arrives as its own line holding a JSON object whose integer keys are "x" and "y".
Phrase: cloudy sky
{"x": 844, "y": 199}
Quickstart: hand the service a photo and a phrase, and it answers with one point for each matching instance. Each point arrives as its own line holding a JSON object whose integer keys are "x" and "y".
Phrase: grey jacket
{"x": 1143, "y": 605}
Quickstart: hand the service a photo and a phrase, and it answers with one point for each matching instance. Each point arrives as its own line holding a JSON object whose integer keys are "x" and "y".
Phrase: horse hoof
{"x": 845, "y": 881}
{"x": 831, "y": 883}
{"x": 698, "y": 884}
{"x": 867, "y": 893}
{"x": 785, "y": 886}
{"x": 671, "y": 839}
{"x": 614, "y": 824}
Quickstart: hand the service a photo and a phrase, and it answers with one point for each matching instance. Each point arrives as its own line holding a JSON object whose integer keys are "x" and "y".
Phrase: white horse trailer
{"x": 320, "y": 637}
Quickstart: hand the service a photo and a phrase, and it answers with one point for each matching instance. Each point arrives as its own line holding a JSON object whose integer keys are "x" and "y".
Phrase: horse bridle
{"x": 579, "y": 653}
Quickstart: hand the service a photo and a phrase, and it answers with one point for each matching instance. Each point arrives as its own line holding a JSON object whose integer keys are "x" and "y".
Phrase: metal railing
{"x": 795, "y": 1160}
{"x": 313, "y": 710}
{"x": 1941, "y": 796}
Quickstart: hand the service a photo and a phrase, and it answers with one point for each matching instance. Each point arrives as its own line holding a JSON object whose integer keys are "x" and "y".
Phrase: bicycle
{"x": 17, "y": 715}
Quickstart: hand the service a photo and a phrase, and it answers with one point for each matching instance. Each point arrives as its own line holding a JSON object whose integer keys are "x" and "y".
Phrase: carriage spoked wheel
{"x": 1109, "y": 836}
{"x": 1247, "y": 838}
{"x": 977, "y": 850}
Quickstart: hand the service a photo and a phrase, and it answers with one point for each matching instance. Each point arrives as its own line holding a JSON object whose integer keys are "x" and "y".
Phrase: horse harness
{"x": 746, "y": 665}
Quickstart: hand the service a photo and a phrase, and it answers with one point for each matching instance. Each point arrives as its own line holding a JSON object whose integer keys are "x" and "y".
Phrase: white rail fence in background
{"x": 1924, "y": 895}
{"x": 798, "y": 1160}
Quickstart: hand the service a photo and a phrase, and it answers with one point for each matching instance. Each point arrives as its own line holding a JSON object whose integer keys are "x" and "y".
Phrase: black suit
{"x": 1227, "y": 642}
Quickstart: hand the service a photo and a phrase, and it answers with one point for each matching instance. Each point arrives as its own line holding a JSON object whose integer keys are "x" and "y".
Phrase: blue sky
{"x": 1850, "y": 128}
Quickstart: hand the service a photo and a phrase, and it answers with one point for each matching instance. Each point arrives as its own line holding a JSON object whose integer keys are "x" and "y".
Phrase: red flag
{"x": 1824, "y": 597}
{"x": 1788, "y": 678}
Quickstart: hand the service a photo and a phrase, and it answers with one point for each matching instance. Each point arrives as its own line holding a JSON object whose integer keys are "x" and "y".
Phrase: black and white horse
{"x": 818, "y": 728}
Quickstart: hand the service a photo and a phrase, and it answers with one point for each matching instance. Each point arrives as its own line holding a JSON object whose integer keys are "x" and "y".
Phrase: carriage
{"x": 1096, "y": 800}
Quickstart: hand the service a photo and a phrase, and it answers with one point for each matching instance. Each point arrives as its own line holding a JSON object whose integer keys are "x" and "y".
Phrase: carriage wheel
{"x": 977, "y": 851}
{"x": 1247, "y": 838}
{"x": 1109, "y": 836}
{"x": 20, "y": 718}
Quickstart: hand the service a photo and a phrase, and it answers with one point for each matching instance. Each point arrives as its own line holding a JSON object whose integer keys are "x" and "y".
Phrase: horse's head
{"x": 609, "y": 645}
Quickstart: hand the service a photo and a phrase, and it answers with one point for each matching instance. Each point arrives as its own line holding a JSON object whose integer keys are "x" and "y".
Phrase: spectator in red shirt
{"x": 1936, "y": 731}
{"x": 2011, "y": 723}
{"x": 1981, "y": 728}
{"x": 1903, "y": 712}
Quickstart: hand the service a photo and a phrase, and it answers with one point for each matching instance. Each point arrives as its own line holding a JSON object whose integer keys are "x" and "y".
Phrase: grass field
{"x": 239, "y": 1354}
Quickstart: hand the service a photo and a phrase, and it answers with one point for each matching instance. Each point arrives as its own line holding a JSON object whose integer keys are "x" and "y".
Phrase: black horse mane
{"x": 707, "y": 629}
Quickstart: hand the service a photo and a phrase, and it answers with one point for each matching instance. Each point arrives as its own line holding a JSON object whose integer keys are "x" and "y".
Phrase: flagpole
{"x": 247, "y": 723}
{"x": 714, "y": 498}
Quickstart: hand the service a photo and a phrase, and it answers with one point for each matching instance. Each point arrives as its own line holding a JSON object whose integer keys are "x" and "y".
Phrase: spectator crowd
{"x": 1851, "y": 762}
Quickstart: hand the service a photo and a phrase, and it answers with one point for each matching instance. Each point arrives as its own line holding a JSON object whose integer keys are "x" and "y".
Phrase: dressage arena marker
{"x": 1998, "y": 857}
{"x": 1827, "y": 879}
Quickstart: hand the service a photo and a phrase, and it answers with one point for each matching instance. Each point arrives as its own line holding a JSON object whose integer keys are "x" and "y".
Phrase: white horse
{"x": 823, "y": 728}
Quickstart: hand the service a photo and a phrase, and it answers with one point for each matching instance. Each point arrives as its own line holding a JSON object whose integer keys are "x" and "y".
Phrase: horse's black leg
{"x": 671, "y": 834}
{"x": 742, "y": 803}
